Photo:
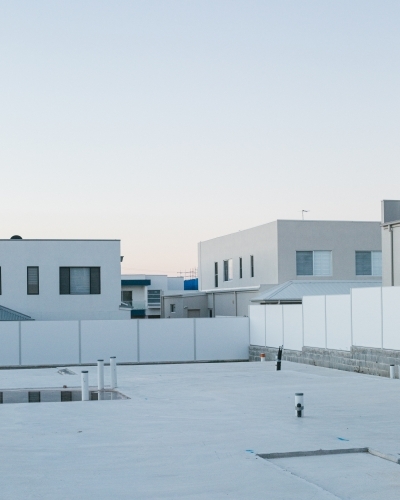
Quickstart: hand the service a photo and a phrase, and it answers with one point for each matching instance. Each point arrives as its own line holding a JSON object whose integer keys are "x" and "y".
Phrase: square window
{"x": 368, "y": 263}
{"x": 314, "y": 263}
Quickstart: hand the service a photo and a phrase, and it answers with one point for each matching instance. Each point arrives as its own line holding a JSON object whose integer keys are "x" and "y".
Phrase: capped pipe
{"x": 391, "y": 371}
{"x": 299, "y": 404}
{"x": 262, "y": 357}
{"x": 113, "y": 368}
{"x": 85, "y": 385}
{"x": 100, "y": 374}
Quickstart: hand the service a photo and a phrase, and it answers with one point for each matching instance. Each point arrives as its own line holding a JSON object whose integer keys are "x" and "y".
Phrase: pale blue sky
{"x": 164, "y": 123}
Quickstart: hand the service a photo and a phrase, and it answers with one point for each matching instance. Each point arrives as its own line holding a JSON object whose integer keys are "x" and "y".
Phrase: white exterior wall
{"x": 49, "y": 256}
{"x": 261, "y": 242}
{"x": 343, "y": 238}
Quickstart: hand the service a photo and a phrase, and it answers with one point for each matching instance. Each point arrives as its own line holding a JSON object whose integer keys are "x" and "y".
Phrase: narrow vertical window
{"x": 0, "y": 281}
{"x": 240, "y": 267}
{"x": 216, "y": 274}
{"x": 252, "y": 266}
{"x": 64, "y": 281}
{"x": 33, "y": 280}
{"x": 94, "y": 280}
{"x": 228, "y": 270}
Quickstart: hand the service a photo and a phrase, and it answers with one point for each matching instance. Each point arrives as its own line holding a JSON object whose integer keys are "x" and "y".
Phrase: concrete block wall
{"x": 367, "y": 360}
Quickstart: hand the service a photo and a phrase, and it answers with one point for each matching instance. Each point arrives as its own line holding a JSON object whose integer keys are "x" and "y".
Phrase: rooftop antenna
{"x": 303, "y": 212}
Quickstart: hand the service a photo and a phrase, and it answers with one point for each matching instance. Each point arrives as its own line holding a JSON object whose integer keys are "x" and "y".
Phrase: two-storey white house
{"x": 236, "y": 268}
{"x": 61, "y": 279}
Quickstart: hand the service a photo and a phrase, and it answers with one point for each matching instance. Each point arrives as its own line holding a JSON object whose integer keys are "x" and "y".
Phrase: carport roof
{"x": 295, "y": 290}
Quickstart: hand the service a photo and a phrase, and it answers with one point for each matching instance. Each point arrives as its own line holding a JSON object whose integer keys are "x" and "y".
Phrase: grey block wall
{"x": 359, "y": 359}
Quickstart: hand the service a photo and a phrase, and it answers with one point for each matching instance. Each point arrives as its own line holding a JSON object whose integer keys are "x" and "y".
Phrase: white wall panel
{"x": 338, "y": 322}
{"x": 293, "y": 327}
{"x": 274, "y": 325}
{"x": 314, "y": 321}
{"x": 166, "y": 340}
{"x": 9, "y": 342}
{"x": 49, "y": 342}
{"x": 101, "y": 339}
{"x": 366, "y": 317}
{"x": 257, "y": 325}
{"x": 222, "y": 338}
{"x": 391, "y": 317}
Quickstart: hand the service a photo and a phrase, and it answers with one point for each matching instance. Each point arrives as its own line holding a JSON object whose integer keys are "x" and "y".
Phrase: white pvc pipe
{"x": 85, "y": 385}
{"x": 391, "y": 370}
{"x": 100, "y": 374}
{"x": 299, "y": 400}
{"x": 113, "y": 367}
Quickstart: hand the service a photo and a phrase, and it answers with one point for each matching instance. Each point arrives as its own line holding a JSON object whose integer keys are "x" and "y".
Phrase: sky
{"x": 168, "y": 122}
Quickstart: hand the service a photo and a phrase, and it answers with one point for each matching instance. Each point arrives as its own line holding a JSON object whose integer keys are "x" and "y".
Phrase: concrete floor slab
{"x": 193, "y": 431}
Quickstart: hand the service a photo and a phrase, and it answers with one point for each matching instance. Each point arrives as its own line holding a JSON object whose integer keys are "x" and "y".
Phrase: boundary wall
{"x": 358, "y": 332}
{"x": 56, "y": 343}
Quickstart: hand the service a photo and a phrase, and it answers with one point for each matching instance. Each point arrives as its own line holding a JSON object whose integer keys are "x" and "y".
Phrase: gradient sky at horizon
{"x": 164, "y": 123}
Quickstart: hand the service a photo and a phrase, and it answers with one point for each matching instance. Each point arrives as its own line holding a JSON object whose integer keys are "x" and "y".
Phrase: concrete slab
{"x": 193, "y": 431}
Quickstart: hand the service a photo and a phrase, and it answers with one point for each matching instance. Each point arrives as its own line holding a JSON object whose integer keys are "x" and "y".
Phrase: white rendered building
{"x": 61, "y": 279}
{"x": 236, "y": 268}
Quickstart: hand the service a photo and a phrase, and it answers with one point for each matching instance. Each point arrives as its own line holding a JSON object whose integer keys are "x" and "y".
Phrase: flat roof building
{"x": 61, "y": 279}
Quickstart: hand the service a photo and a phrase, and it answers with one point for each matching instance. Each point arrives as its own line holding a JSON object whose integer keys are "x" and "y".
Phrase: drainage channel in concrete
{"x": 352, "y": 473}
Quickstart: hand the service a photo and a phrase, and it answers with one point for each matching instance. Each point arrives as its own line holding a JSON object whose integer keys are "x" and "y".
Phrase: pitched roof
{"x": 10, "y": 315}
{"x": 295, "y": 290}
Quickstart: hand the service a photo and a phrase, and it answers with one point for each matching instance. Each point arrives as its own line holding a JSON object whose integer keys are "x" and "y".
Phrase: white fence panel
{"x": 274, "y": 325}
{"x": 49, "y": 342}
{"x": 314, "y": 321}
{"x": 257, "y": 325}
{"x": 293, "y": 327}
{"x": 338, "y": 322}
{"x": 222, "y": 338}
{"x": 367, "y": 317}
{"x": 391, "y": 317}
{"x": 166, "y": 340}
{"x": 9, "y": 341}
{"x": 101, "y": 339}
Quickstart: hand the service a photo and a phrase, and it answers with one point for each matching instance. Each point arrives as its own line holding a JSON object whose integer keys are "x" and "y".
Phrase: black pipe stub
{"x": 279, "y": 358}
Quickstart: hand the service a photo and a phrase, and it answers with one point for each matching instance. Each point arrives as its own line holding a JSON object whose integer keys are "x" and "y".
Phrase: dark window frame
{"x": 65, "y": 280}
{"x": 28, "y": 290}
{"x": 216, "y": 274}
{"x": 251, "y": 266}
{"x": 240, "y": 268}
